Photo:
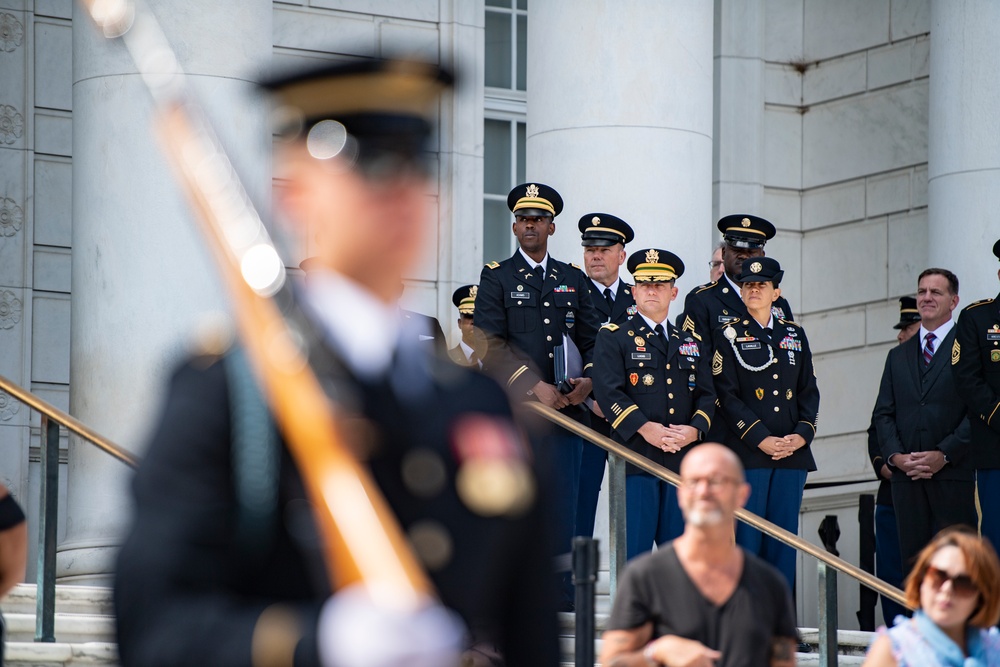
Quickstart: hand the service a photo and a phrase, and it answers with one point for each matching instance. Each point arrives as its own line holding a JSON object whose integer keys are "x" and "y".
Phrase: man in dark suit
{"x": 655, "y": 385}
{"x": 526, "y": 306}
{"x": 603, "y": 237}
{"x": 766, "y": 385}
{"x": 224, "y": 563}
{"x": 888, "y": 564}
{"x": 923, "y": 430}
{"x": 975, "y": 362}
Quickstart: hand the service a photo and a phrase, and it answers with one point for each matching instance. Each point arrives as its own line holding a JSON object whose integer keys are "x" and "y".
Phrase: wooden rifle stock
{"x": 363, "y": 543}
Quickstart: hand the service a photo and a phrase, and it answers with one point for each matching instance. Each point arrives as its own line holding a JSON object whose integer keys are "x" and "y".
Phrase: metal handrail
{"x": 71, "y": 423}
{"x": 48, "y": 514}
{"x": 743, "y": 515}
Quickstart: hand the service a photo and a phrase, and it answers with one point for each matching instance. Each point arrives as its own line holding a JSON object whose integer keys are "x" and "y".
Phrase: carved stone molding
{"x": 11, "y": 217}
{"x": 11, "y": 32}
{"x": 10, "y": 309}
{"x": 8, "y": 406}
{"x": 11, "y": 124}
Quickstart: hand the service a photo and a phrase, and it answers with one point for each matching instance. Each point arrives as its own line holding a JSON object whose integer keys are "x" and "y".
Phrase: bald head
{"x": 712, "y": 458}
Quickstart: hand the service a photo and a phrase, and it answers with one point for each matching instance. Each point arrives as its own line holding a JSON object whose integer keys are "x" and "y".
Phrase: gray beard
{"x": 704, "y": 517}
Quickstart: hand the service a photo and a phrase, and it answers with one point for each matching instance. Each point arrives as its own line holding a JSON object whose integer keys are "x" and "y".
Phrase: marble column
{"x": 964, "y": 144}
{"x": 141, "y": 278}
{"x": 620, "y": 120}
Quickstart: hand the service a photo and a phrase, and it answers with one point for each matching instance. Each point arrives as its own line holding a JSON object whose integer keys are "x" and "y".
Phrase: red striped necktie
{"x": 929, "y": 348}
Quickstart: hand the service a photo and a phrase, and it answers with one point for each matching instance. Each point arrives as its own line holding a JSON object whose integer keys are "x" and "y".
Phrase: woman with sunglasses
{"x": 955, "y": 589}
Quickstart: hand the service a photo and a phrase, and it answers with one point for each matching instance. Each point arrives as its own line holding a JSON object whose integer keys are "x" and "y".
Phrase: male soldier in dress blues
{"x": 709, "y": 306}
{"x": 472, "y": 346}
{"x": 655, "y": 385}
{"x": 888, "y": 562}
{"x": 975, "y": 360}
{"x": 603, "y": 237}
{"x": 525, "y": 306}
{"x": 767, "y": 390}
{"x": 224, "y": 563}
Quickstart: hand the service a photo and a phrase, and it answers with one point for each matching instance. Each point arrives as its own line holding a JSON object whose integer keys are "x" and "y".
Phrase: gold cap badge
{"x": 532, "y": 191}
{"x": 596, "y": 220}
{"x": 756, "y": 267}
{"x": 473, "y": 291}
{"x": 652, "y": 257}
{"x": 745, "y": 222}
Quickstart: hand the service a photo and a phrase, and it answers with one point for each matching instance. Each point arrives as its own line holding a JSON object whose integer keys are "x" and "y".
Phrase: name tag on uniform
{"x": 642, "y": 356}
{"x": 993, "y": 336}
{"x": 725, "y": 319}
{"x": 520, "y": 295}
{"x": 750, "y": 346}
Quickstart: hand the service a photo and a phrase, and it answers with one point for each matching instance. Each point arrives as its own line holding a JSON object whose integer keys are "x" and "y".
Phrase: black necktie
{"x": 659, "y": 330}
{"x": 767, "y": 332}
{"x": 609, "y": 298}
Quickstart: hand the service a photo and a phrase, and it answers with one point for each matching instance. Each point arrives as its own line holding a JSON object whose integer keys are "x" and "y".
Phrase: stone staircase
{"x": 85, "y": 631}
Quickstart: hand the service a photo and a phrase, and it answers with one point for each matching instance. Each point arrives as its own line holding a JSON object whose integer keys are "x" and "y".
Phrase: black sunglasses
{"x": 961, "y": 584}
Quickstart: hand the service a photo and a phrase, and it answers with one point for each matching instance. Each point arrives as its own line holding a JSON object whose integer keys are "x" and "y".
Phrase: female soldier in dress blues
{"x": 767, "y": 389}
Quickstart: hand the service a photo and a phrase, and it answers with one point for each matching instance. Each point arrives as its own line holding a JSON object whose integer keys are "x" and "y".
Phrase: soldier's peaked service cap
{"x": 464, "y": 299}
{"x": 531, "y": 199}
{"x": 761, "y": 270}
{"x": 746, "y": 231}
{"x": 653, "y": 265}
{"x": 908, "y": 313}
{"x": 604, "y": 229}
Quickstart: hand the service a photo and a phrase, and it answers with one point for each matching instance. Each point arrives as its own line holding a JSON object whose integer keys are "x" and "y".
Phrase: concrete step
{"x": 69, "y": 599}
{"x": 86, "y": 654}
{"x": 69, "y": 628}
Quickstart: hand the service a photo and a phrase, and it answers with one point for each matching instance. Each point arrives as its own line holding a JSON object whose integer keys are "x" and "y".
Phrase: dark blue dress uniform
{"x": 524, "y": 313}
{"x": 975, "y": 360}
{"x": 643, "y": 376}
{"x": 601, "y": 230}
{"x": 766, "y": 386}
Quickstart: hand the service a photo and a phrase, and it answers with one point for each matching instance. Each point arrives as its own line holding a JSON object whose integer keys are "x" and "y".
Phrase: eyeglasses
{"x": 715, "y": 263}
{"x": 961, "y": 584}
{"x": 713, "y": 483}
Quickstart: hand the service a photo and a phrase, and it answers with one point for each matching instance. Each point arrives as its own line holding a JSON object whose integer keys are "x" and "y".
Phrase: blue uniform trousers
{"x": 591, "y": 475}
{"x": 651, "y": 513}
{"x": 888, "y": 562}
{"x": 776, "y": 495}
{"x": 988, "y": 486}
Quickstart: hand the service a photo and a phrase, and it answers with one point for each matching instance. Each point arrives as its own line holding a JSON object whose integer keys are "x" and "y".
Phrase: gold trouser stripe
{"x": 992, "y": 413}
{"x": 707, "y": 418}
{"x": 809, "y": 425}
{"x": 516, "y": 375}
{"x": 748, "y": 428}
{"x": 624, "y": 414}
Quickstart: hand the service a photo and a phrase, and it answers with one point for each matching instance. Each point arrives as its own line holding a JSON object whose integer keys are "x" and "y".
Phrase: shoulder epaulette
{"x": 610, "y": 326}
{"x": 702, "y": 288}
{"x": 981, "y": 302}
{"x": 575, "y": 266}
{"x": 795, "y": 324}
{"x": 493, "y": 265}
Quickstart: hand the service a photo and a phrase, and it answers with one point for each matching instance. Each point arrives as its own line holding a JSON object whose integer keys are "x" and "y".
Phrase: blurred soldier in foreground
{"x": 888, "y": 563}
{"x": 13, "y": 550}
{"x": 702, "y": 600}
{"x": 223, "y": 565}
{"x": 767, "y": 390}
{"x": 975, "y": 362}
{"x": 603, "y": 238}
{"x": 655, "y": 385}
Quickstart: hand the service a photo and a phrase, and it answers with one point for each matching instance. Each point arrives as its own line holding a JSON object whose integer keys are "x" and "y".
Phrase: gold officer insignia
{"x": 652, "y": 256}
{"x": 756, "y": 267}
{"x": 745, "y": 222}
{"x": 532, "y": 191}
{"x": 717, "y": 364}
{"x": 473, "y": 291}
{"x": 639, "y": 341}
{"x": 956, "y": 353}
{"x": 647, "y": 380}
{"x": 788, "y": 394}
{"x": 610, "y": 326}
{"x": 494, "y": 265}
{"x": 596, "y": 220}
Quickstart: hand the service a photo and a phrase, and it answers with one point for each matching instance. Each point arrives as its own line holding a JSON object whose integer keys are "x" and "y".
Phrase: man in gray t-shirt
{"x": 702, "y": 600}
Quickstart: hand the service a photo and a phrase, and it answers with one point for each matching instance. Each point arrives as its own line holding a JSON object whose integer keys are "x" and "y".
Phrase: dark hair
{"x": 949, "y": 276}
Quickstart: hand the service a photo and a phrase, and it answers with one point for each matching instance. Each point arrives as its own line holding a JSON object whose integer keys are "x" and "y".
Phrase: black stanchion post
{"x": 585, "y": 561}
